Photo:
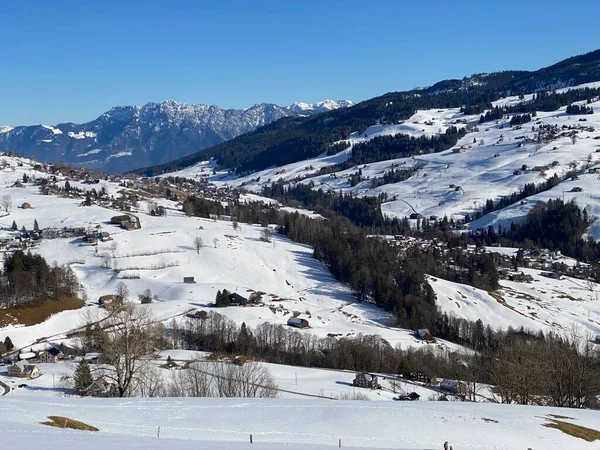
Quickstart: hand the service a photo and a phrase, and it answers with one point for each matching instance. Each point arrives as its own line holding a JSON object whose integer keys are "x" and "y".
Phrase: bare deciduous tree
{"x": 219, "y": 379}
{"x": 122, "y": 291}
{"x": 126, "y": 338}
{"x": 6, "y": 203}
{"x": 198, "y": 244}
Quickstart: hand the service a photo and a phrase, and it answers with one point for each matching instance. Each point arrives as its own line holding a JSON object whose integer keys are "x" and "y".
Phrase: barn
{"x": 297, "y": 322}
{"x": 237, "y": 299}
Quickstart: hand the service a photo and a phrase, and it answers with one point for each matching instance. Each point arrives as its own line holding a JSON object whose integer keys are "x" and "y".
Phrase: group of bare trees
{"x": 222, "y": 379}
{"x": 128, "y": 338}
{"x": 560, "y": 371}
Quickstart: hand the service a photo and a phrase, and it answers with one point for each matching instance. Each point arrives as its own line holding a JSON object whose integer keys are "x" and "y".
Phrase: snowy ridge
{"x": 322, "y": 106}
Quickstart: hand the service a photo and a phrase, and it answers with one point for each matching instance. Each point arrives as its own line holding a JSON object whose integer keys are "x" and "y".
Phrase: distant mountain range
{"x": 130, "y": 137}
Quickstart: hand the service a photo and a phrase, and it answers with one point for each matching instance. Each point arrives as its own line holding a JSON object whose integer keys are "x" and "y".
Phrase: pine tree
{"x": 14, "y": 226}
{"x": 36, "y": 227}
{"x": 8, "y": 344}
{"x": 67, "y": 186}
{"x": 83, "y": 376}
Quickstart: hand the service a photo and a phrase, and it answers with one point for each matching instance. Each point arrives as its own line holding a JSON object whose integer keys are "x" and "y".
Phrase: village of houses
{"x": 122, "y": 205}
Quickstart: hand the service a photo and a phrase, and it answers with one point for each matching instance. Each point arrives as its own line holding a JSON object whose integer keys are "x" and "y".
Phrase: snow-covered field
{"x": 292, "y": 424}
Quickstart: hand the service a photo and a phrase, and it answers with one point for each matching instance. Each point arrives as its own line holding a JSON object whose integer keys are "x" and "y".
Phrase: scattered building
{"x": 424, "y": 335}
{"x": 23, "y": 369}
{"x": 423, "y": 375}
{"x": 188, "y": 280}
{"x": 297, "y": 322}
{"x": 110, "y": 301}
{"x": 366, "y": 380}
{"x": 94, "y": 358}
{"x": 52, "y": 355}
{"x": 237, "y": 299}
{"x": 454, "y": 387}
{"x": 413, "y": 396}
{"x": 26, "y": 205}
{"x": 462, "y": 149}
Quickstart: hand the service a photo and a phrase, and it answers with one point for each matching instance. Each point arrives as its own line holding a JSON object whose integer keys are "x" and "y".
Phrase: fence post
{"x": 340, "y": 443}
{"x": 158, "y": 432}
{"x": 251, "y": 439}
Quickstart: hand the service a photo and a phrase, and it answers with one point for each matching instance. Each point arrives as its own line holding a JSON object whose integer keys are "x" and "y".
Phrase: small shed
{"x": 110, "y": 301}
{"x": 597, "y": 339}
{"x": 413, "y": 396}
{"x": 366, "y": 380}
{"x": 577, "y": 189}
{"x": 189, "y": 280}
{"x": 297, "y": 322}
{"x": 424, "y": 335}
{"x": 454, "y": 387}
{"x": 26, "y": 205}
{"x": 118, "y": 220}
{"x": 237, "y": 299}
{"x": 94, "y": 358}
{"x": 462, "y": 149}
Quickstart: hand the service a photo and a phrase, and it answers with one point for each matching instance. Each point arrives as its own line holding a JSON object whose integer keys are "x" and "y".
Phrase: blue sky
{"x": 72, "y": 60}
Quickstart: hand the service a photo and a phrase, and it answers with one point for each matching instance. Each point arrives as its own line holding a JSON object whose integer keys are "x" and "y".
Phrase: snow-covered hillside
{"x": 456, "y": 184}
{"x": 545, "y": 304}
{"x": 314, "y": 424}
{"x": 160, "y": 254}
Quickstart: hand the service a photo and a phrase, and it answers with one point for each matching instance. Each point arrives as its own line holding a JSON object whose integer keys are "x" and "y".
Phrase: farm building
{"x": 577, "y": 189}
{"x": 237, "y": 299}
{"x": 594, "y": 170}
{"x": 189, "y": 280}
{"x": 454, "y": 387}
{"x": 23, "y": 369}
{"x": 462, "y": 149}
{"x": 297, "y": 322}
{"x": 366, "y": 380}
{"x": 52, "y": 355}
{"x": 425, "y": 335}
{"x": 598, "y": 339}
{"x": 413, "y": 396}
{"x": 94, "y": 358}
{"x": 423, "y": 376}
{"x": 26, "y": 205}
{"x": 110, "y": 301}
{"x": 25, "y": 356}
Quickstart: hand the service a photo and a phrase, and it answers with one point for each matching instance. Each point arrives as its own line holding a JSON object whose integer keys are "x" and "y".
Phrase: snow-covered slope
{"x": 236, "y": 260}
{"x": 549, "y": 305}
{"x": 499, "y": 160}
{"x": 315, "y": 424}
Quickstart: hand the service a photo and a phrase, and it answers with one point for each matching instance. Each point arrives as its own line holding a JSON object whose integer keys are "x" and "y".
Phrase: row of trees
{"x": 524, "y": 368}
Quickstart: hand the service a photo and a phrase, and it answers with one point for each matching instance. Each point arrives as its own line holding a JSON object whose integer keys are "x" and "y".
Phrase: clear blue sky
{"x": 72, "y": 60}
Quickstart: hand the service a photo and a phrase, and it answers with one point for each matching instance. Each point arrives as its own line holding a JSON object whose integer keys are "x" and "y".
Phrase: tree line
{"x": 28, "y": 279}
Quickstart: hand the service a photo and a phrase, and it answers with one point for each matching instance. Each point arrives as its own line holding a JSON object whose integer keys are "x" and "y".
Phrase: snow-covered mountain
{"x": 306, "y": 109}
{"x": 129, "y": 137}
